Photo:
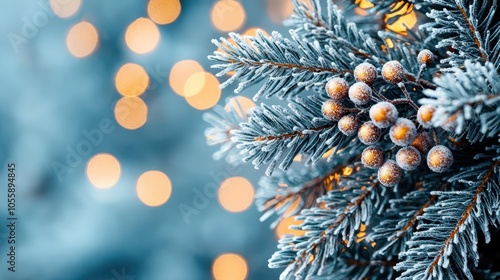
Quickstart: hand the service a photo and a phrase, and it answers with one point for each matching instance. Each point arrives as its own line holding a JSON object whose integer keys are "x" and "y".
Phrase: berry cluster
{"x": 413, "y": 142}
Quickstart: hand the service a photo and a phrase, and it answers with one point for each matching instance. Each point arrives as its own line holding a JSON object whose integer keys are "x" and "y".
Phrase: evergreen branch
{"x": 333, "y": 29}
{"x": 327, "y": 229}
{"x": 473, "y": 31}
{"x": 399, "y": 221}
{"x": 357, "y": 262}
{"x": 222, "y": 122}
{"x": 272, "y": 131}
{"x": 279, "y": 192}
{"x": 468, "y": 27}
{"x": 472, "y": 96}
{"x": 289, "y": 66}
{"x": 447, "y": 236}
{"x": 463, "y": 219}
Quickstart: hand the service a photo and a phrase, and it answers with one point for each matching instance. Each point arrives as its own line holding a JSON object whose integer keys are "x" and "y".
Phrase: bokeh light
{"x": 236, "y": 194}
{"x": 103, "y": 171}
{"x": 240, "y": 104}
{"x": 252, "y": 31}
{"x": 363, "y": 5}
{"x": 131, "y": 80}
{"x": 229, "y": 267}
{"x": 164, "y": 11}
{"x": 154, "y": 188}
{"x": 82, "y": 39}
{"x": 283, "y": 227}
{"x": 228, "y": 15}
{"x": 407, "y": 18}
{"x": 202, "y": 90}
{"x": 65, "y": 8}
{"x": 279, "y": 10}
{"x": 142, "y": 36}
{"x": 131, "y": 112}
{"x": 180, "y": 73}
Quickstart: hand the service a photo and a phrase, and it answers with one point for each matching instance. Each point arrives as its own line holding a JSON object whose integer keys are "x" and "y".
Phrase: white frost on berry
{"x": 383, "y": 114}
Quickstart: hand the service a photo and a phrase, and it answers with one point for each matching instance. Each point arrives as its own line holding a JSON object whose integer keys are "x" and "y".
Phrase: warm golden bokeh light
{"x": 202, "y": 90}
{"x": 103, "y": 171}
{"x": 228, "y": 15}
{"x": 253, "y": 32}
{"x": 298, "y": 158}
{"x": 131, "y": 80}
{"x": 153, "y": 188}
{"x": 164, "y": 11}
{"x": 142, "y": 36}
{"x": 283, "y": 227}
{"x": 279, "y": 10}
{"x": 229, "y": 267}
{"x": 235, "y": 194}
{"x": 131, "y": 112}
{"x": 181, "y": 72}
{"x": 82, "y": 39}
{"x": 408, "y": 18}
{"x": 65, "y": 8}
{"x": 240, "y": 104}
{"x": 364, "y": 4}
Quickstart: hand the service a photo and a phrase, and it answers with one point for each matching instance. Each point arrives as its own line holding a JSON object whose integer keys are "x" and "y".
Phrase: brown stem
{"x": 420, "y": 212}
{"x": 472, "y": 30}
{"x": 294, "y": 66}
{"x": 341, "y": 217}
{"x": 314, "y": 183}
{"x": 465, "y": 215}
{"x": 291, "y": 134}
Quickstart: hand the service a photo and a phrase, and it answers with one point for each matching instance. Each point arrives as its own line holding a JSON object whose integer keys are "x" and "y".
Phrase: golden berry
{"x": 337, "y": 88}
{"x": 333, "y": 110}
{"x": 422, "y": 142}
{"x": 393, "y": 72}
{"x": 403, "y": 132}
{"x": 372, "y": 157}
{"x": 389, "y": 174}
{"x": 425, "y": 114}
{"x": 348, "y": 125}
{"x": 369, "y": 133}
{"x": 360, "y": 93}
{"x": 383, "y": 114}
{"x": 366, "y": 73}
{"x": 425, "y": 57}
{"x": 439, "y": 158}
{"x": 408, "y": 158}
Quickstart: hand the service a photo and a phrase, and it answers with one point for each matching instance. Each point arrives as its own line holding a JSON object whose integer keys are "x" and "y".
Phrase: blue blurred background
{"x": 79, "y": 221}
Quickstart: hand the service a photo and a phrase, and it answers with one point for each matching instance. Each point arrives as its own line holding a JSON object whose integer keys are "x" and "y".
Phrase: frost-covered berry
{"x": 450, "y": 124}
{"x": 366, "y": 73}
{"x": 403, "y": 132}
{"x": 360, "y": 93}
{"x": 348, "y": 125}
{"x": 369, "y": 133}
{"x": 333, "y": 110}
{"x": 439, "y": 158}
{"x": 408, "y": 158}
{"x": 337, "y": 89}
{"x": 389, "y": 174}
{"x": 425, "y": 114}
{"x": 372, "y": 157}
{"x": 422, "y": 142}
{"x": 393, "y": 72}
{"x": 383, "y": 114}
{"x": 425, "y": 57}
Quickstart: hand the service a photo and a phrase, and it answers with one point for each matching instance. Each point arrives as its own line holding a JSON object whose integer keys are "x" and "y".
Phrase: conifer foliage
{"x": 398, "y": 135}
